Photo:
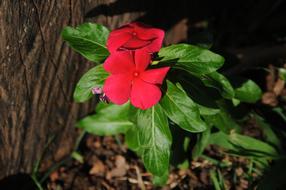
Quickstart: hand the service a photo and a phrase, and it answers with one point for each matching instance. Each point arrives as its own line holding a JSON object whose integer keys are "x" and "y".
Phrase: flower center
{"x": 136, "y": 74}
{"x": 134, "y": 33}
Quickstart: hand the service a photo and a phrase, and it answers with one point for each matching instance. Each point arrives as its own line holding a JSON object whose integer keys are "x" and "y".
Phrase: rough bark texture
{"x": 38, "y": 72}
{"x": 37, "y": 76}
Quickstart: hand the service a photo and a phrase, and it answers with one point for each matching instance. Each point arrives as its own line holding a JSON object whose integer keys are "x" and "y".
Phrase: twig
{"x": 139, "y": 178}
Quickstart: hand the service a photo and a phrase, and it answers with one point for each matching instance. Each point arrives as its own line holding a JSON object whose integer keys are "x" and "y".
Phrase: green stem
{"x": 38, "y": 184}
{"x": 214, "y": 180}
{"x": 53, "y": 168}
{"x": 78, "y": 140}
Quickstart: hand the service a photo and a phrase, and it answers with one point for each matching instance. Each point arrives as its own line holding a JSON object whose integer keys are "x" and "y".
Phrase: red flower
{"x": 135, "y": 36}
{"x": 129, "y": 79}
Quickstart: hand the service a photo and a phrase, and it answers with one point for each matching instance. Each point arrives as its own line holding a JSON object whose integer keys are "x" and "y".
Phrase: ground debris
{"x": 110, "y": 166}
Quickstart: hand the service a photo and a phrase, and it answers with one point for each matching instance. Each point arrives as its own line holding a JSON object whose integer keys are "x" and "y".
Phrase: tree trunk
{"x": 38, "y": 73}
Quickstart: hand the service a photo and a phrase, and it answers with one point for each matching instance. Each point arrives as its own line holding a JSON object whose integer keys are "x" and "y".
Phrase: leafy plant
{"x": 196, "y": 98}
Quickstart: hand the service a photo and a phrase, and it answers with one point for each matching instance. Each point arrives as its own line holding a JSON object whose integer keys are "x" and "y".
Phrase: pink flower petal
{"x": 154, "y": 76}
{"x": 117, "y": 88}
{"x": 117, "y": 38}
{"x": 119, "y": 62}
{"x": 144, "y": 95}
{"x": 142, "y": 60}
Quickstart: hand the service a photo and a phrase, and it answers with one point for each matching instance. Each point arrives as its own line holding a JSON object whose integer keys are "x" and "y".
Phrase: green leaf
{"x": 110, "y": 119}
{"x": 181, "y": 109}
{"x": 204, "y": 97}
{"x": 223, "y": 121}
{"x": 184, "y": 165}
{"x": 269, "y": 134}
{"x": 201, "y": 144}
{"x": 243, "y": 145}
{"x": 193, "y": 59}
{"x": 207, "y": 111}
{"x": 131, "y": 139}
{"x": 78, "y": 157}
{"x": 235, "y": 102}
{"x": 215, "y": 180}
{"x": 280, "y": 112}
{"x": 219, "y": 82}
{"x": 95, "y": 77}
{"x": 180, "y": 147}
{"x": 222, "y": 139}
{"x": 151, "y": 139}
{"x": 89, "y": 40}
{"x": 160, "y": 180}
{"x": 282, "y": 73}
{"x": 247, "y": 90}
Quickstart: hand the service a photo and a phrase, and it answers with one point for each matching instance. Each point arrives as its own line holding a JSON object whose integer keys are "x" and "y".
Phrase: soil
{"x": 108, "y": 164}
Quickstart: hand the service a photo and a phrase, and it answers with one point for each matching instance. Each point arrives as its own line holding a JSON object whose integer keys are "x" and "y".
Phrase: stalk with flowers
{"x": 149, "y": 92}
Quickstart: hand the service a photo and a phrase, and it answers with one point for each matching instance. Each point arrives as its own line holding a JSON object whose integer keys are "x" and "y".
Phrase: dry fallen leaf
{"x": 278, "y": 87}
{"x": 120, "y": 169}
{"x": 98, "y": 168}
{"x": 243, "y": 183}
{"x": 269, "y": 98}
{"x": 54, "y": 176}
{"x": 239, "y": 171}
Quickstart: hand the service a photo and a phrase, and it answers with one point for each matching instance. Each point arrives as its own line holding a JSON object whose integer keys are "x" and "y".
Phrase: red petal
{"x": 128, "y": 28}
{"x": 135, "y": 43}
{"x": 149, "y": 33}
{"x": 136, "y": 25}
{"x": 156, "y": 45}
{"x": 146, "y": 37}
{"x": 142, "y": 59}
{"x": 117, "y": 38}
{"x": 154, "y": 76}
{"x": 119, "y": 62}
{"x": 117, "y": 88}
{"x": 155, "y": 35}
{"x": 144, "y": 95}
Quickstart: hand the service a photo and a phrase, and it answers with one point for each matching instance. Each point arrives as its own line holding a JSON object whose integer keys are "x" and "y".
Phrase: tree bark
{"x": 38, "y": 73}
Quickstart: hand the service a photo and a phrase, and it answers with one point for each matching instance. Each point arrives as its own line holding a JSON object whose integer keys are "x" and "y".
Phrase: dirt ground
{"x": 109, "y": 165}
